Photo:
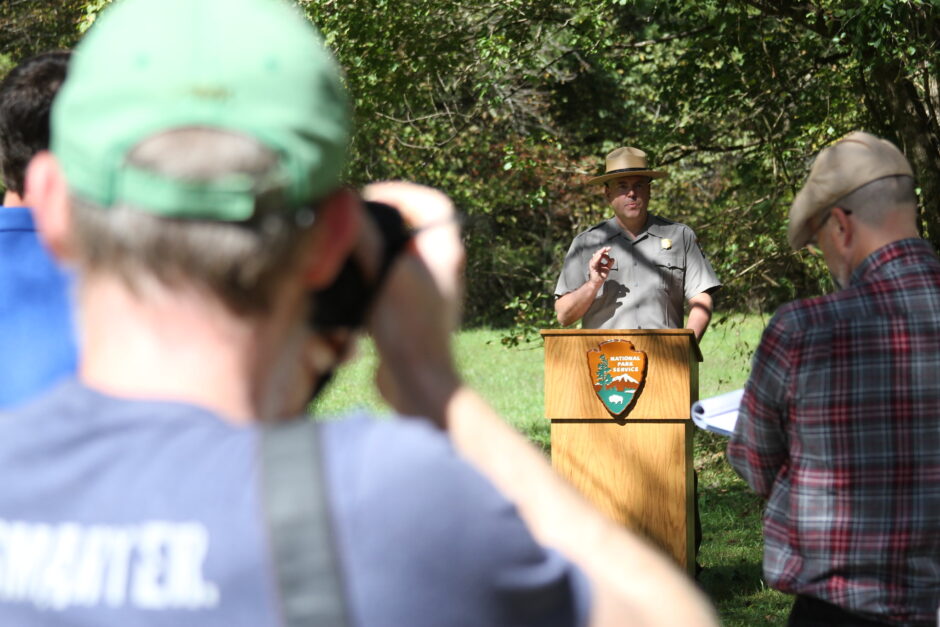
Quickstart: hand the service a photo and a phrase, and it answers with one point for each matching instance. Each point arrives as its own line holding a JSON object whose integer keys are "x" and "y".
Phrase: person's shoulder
{"x": 393, "y": 448}
{"x": 404, "y": 467}
{"x": 30, "y": 428}
{"x": 813, "y": 313}
{"x": 671, "y": 226}
{"x": 599, "y": 232}
{"x": 70, "y": 409}
{"x": 16, "y": 219}
{"x": 362, "y": 428}
{"x": 792, "y": 315}
{"x": 444, "y": 533}
{"x": 655, "y": 218}
{"x": 47, "y": 403}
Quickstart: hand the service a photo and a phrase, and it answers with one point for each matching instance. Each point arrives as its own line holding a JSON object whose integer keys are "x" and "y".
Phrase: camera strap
{"x": 299, "y": 525}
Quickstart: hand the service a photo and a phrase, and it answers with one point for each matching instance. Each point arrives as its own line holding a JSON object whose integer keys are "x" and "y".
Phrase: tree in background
{"x": 28, "y": 27}
{"x": 510, "y": 105}
{"x": 765, "y": 85}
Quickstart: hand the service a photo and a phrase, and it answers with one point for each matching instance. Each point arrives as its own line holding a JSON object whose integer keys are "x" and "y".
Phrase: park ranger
{"x": 635, "y": 270}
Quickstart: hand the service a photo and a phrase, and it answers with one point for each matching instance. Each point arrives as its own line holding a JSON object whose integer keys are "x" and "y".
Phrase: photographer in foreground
{"x": 193, "y": 184}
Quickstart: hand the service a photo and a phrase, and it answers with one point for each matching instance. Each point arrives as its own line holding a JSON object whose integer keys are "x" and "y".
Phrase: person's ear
{"x": 845, "y": 232}
{"x": 335, "y": 232}
{"x": 46, "y": 193}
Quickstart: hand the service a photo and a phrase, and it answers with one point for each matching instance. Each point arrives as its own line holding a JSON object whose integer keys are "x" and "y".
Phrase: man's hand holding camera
{"x": 401, "y": 283}
{"x": 418, "y": 306}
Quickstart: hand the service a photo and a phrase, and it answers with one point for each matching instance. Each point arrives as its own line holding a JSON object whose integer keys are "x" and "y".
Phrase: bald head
{"x": 861, "y": 222}
{"x": 883, "y": 202}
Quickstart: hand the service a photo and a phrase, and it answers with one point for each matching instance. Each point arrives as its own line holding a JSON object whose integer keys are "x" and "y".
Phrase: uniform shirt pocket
{"x": 671, "y": 272}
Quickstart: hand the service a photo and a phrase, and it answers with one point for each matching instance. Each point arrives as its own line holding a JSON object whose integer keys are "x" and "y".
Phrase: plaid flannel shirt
{"x": 839, "y": 430}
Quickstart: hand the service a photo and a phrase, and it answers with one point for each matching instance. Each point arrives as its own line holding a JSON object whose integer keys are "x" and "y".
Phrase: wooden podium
{"x": 637, "y": 468}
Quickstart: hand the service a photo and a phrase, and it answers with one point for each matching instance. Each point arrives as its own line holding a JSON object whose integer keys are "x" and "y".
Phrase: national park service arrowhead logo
{"x": 617, "y": 371}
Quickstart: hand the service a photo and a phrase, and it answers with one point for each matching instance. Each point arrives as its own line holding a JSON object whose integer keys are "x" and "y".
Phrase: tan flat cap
{"x": 626, "y": 161}
{"x": 855, "y": 160}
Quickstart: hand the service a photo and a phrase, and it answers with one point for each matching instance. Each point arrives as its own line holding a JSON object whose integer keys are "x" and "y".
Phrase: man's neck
{"x": 896, "y": 226}
{"x": 12, "y": 199}
{"x": 634, "y": 228}
{"x": 181, "y": 346}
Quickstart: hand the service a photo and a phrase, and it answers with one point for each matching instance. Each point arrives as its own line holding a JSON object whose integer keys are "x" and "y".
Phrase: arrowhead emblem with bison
{"x": 617, "y": 371}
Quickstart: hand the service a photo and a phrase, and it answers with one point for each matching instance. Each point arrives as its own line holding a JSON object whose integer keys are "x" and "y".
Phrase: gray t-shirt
{"x": 122, "y": 512}
{"x": 651, "y": 279}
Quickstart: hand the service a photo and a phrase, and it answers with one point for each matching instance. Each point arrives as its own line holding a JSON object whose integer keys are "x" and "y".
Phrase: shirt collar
{"x": 883, "y": 260}
{"x": 654, "y": 226}
{"x": 657, "y": 226}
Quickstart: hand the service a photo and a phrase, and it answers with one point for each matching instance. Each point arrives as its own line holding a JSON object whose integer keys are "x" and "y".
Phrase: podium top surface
{"x": 626, "y": 333}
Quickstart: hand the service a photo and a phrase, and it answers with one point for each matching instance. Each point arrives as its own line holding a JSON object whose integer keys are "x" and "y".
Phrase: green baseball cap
{"x": 256, "y": 67}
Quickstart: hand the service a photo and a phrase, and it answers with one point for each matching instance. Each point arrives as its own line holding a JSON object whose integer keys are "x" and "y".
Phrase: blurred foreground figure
{"x": 193, "y": 184}
{"x": 839, "y": 426}
{"x": 37, "y": 337}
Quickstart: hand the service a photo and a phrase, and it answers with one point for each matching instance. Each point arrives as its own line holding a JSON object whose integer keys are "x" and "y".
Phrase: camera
{"x": 346, "y": 302}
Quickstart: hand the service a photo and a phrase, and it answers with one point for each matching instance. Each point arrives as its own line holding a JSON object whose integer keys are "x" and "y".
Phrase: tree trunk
{"x": 904, "y": 116}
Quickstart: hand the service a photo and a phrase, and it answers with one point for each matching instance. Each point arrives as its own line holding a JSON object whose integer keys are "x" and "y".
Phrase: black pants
{"x": 812, "y": 612}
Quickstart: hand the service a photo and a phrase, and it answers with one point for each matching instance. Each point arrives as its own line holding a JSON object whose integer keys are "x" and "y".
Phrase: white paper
{"x": 718, "y": 414}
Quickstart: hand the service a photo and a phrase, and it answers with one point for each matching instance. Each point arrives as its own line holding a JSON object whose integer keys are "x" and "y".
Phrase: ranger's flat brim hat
{"x": 626, "y": 161}
{"x": 855, "y": 160}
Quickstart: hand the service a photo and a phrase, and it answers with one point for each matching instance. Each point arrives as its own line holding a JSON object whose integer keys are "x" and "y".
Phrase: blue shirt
{"x": 37, "y": 338}
{"x": 144, "y": 512}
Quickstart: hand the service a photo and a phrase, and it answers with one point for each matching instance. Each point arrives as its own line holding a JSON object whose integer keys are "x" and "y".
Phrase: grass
{"x": 732, "y": 546}
{"x": 512, "y": 381}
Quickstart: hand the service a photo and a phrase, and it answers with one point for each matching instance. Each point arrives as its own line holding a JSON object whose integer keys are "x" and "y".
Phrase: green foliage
{"x": 90, "y": 14}
{"x": 510, "y": 105}
{"x": 6, "y": 64}
{"x": 28, "y": 27}
{"x": 452, "y": 96}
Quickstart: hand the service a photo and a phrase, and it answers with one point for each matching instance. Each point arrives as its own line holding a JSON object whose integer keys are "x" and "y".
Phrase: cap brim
{"x": 801, "y": 212}
{"x": 653, "y": 174}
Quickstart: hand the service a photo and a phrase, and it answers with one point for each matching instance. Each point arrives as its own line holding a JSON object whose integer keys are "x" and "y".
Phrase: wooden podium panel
{"x": 636, "y": 468}
{"x": 638, "y": 473}
{"x": 671, "y": 384}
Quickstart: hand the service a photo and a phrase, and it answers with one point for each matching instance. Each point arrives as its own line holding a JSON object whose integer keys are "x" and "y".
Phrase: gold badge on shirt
{"x": 666, "y": 243}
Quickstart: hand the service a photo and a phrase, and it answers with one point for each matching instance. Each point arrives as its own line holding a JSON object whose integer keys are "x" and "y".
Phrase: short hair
{"x": 873, "y": 201}
{"x": 239, "y": 263}
{"x": 26, "y": 96}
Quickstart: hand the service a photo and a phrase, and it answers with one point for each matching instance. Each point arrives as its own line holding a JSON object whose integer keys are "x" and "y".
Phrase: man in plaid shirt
{"x": 839, "y": 428}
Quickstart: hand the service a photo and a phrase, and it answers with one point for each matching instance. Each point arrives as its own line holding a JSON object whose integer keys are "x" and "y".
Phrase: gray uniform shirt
{"x": 651, "y": 279}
